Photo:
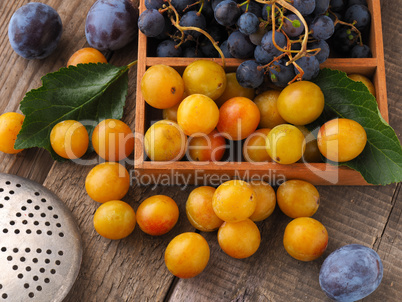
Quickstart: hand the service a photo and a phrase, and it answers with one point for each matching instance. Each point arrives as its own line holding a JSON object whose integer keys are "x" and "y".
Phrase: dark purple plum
{"x": 351, "y": 273}
{"x": 35, "y": 30}
{"x": 111, "y": 24}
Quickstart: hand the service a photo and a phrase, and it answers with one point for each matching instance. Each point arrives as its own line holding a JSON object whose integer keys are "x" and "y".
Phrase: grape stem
{"x": 352, "y": 25}
{"x": 303, "y": 51}
{"x": 176, "y": 22}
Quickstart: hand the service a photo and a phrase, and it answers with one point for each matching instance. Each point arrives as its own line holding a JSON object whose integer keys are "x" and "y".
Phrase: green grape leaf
{"x": 87, "y": 93}
{"x": 380, "y": 163}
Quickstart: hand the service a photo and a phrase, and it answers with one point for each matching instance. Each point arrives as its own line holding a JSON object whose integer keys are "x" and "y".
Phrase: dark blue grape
{"x": 248, "y": 23}
{"x": 249, "y": 74}
{"x": 360, "y": 51}
{"x": 155, "y": 4}
{"x": 353, "y": 2}
{"x": 183, "y": 6}
{"x": 261, "y": 56}
{"x": 351, "y": 273}
{"x": 207, "y": 10}
{"x": 305, "y": 7}
{"x": 151, "y": 23}
{"x": 191, "y": 18}
{"x": 360, "y": 14}
{"x": 214, "y": 3}
{"x": 337, "y": 5}
{"x": 280, "y": 74}
{"x": 227, "y": 12}
{"x": 266, "y": 9}
{"x": 333, "y": 17}
{"x": 208, "y": 49}
{"x": 168, "y": 48}
{"x": 256, "y": 37}
{"x": 253, "y": 7}
{"x": 35, "y": 30}
{"x": 291, "y": 30}
{"x": 310, "y": 66}
{"x": 111, "y": 24}
{"x": 219, "y": 34}
{"x": 344, "y": 39}
{"x": 240, "y": 46}
{"x": 322, "y": 28}
{"x": 166, "y": 29}
{"x": 192, "y": 52}
{"x": 225, "y": 49}
{"x": 268, "y": 45}
{"x": 323, "y": 55}
{"x": 321, "y": 6}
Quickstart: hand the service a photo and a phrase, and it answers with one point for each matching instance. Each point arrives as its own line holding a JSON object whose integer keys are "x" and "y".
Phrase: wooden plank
{"x": 354, "y": 215}
{"x": 20, "y": 75}
{"x": 133, "y": 269}
{"x": 122, "y": 270}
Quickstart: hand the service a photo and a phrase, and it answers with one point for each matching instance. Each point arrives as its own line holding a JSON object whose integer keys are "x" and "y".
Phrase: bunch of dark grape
{"x": 286, "y": 40}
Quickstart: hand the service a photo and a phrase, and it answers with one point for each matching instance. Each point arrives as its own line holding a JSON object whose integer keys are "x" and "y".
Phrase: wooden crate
{"x": 203, "y": 173}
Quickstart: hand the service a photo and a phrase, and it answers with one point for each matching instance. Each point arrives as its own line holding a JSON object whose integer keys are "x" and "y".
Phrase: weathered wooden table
{"x": 133, "y": 269}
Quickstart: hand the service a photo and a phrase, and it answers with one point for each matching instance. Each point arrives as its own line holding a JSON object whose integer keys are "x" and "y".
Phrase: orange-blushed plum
{"x": 157, "y": 215}
{"x": 199, "y": 209}
{"x": 266, "y": 200}
{"x": 204, "y": 77}
{"x": 285, "y": 144}
{"x": 234, "y": 89}
{"x": 305, "y": 239}
{"x": 267, "y": 104}
{"x": 365, "y": 80}
{"x": 254, "y": 148}
{"x": 197, "y": 115}
{"x": 162, "y": 86}
{"x": 301, "y": 103}
{"x": 234, "y": 201}
{"x": 107, "y": 181}
{"x": 311, "y": 153}
{"x": 341, "y": 139}
{"x": 187, "y": 255}
{"x": 171, "y": 112}
{"x": 165, "y": 141}
{"x": 238, "y": 118}
{"x": 239, "y": 239}
{"x": 86, "y": 55}
{"x": 209, "y": 147}
{"x": 113, "y": 140}
{"x": 10, "y": 126}
{"x": 114, "y": 219}
{"x": 298, "y": 198}
{"x": 69, "y": 139}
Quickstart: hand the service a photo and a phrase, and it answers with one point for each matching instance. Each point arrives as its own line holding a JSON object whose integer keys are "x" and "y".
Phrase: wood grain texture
{"x": 133, "y": 269}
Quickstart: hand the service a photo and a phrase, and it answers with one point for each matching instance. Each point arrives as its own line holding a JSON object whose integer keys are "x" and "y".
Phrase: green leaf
{"x": 380, "y": 163}
{"x": 87, "y": 93}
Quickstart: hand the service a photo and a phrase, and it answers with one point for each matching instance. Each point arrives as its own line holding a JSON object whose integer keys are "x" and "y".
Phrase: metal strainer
{"x": 40, "y": 245}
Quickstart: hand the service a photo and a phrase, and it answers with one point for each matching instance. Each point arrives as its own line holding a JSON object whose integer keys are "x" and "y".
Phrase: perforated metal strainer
{"x": 40, "y": 245}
